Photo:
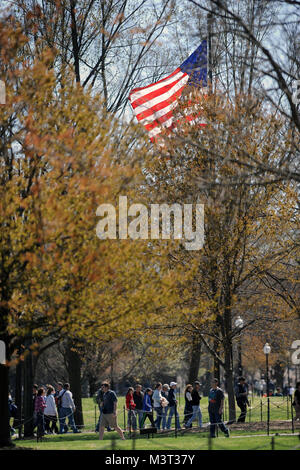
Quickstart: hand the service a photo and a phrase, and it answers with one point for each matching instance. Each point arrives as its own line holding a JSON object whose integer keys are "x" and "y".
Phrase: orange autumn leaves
{"x": 65, "y": 155}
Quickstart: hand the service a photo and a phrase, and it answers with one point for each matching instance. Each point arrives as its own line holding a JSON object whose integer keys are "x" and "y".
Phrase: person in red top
{"x": 130, "y": 406}
{"x": 39, "y": 407}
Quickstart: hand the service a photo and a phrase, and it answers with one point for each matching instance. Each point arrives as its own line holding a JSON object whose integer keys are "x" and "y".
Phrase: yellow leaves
{"x": 67, "y": 161}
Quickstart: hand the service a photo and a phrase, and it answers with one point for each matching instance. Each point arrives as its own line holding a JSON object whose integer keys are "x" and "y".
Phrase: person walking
{"x": 59, "y": 388}
{"x": 50, "y": 412}
{"x": 157, "y": 401}
{"x": 148, "y": 407}
{"x": 12, "y": 413}
{"x": 278, "y": 392}
{"x": 291, "y": 391}
{"x": 188, "y": 408}
{"x": 164, "y": 404}
{"x": 34, "y": 395}
{"x": 99, "y": 400}
{"x": 241, "y": 394}
{"x": 197, "y": 414}
{"x": 39, "y": 407}
{"x": 66, "y": 410}
{"x": 296, "y": 402}
{"x": 215, "y": 409}
{"x": 130, "y": 406}
{"x": 109, "y": 412}
{"x": 173, "y": 406}
{"x": 138, "y": 397}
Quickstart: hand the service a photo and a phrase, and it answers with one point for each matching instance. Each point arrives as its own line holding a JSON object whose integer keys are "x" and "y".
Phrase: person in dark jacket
{"x": 215, "y": 409}
{"x": 39, "y": 407}
{"x": 241, "y": 394}
{"x": 148, "y": 407}
{"x": 296, "y": 402}
{"x": 99, "y": 400}
{"x": 173, "y": 406}
{"x": 138, "y": 397}
{"x": 197, "y": 414}
{"x": 278, "y": 392}
{"x": 109, "y": 416}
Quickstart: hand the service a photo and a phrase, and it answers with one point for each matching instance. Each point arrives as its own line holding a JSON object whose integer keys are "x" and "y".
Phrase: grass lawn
{"x": 90, "y": 441}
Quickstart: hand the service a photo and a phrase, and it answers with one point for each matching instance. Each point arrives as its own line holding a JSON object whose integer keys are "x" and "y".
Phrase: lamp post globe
{"x": 239, "y": 322}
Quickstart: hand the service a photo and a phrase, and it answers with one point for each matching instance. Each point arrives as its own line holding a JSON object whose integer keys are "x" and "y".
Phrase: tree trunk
{"x": 74, "y": 370}
{"x": 75, "y": 40}
{"x": 279, "y": 374}
{"x": 28, "y": 385}
{"x": 5, "y": 439}
{"x": 92, "y": 380}
{"x": 18, "y": 395}
{"x": 216, "y": 362}
{"x": 195, "y": 360}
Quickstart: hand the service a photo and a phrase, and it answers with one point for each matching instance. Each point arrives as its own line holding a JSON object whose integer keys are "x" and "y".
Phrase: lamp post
{"x": 239, "y": 323}
{"x": 288, "y": 369}
{"x": 267, "y": 350}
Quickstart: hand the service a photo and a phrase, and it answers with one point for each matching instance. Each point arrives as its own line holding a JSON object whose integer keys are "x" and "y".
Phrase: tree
{"x": 111, "y": 45}
{"x": 53, "y": 176}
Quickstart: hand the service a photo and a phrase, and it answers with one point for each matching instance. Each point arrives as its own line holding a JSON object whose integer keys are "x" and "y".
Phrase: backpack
{"x": 59, "y": 400}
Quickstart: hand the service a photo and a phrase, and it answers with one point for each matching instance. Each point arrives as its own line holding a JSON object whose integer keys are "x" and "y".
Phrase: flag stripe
{"x": 139, "y": 92}
{"x": 157, "y": 129}
{"x": 159, "y": 121}
{"x": 160, "y": 113}
{"x": 142, "y": 105}
{"x": 163, "y": 97}
{"x": 160, "y": 108}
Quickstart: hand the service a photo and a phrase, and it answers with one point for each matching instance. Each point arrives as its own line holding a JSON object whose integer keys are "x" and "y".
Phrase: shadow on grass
{"x": 64, "y": 438}
{"x": 108, "y": 437}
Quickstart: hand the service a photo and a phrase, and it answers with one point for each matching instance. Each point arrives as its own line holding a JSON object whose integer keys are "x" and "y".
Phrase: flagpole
{"x": 216, "y": 367}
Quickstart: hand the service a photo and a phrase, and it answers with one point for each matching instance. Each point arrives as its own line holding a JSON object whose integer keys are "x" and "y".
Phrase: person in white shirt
{"x": 66, "y": 409}
{"x": 291, "y": 390}
{"x": 157, "y": 400}
{"x": 188, "y": 408}
{"x": 50, "y": 412}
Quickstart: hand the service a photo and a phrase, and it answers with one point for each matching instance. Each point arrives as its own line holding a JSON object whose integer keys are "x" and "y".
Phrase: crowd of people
{"x": 53, "y": 407}
{"x": 159, "y": 406}
{"x": 50, "y": 408}
{"x": 260, "y": 388}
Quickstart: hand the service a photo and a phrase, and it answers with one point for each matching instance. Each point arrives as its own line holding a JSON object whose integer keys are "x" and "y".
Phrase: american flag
{"x": 153, "y": 104}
